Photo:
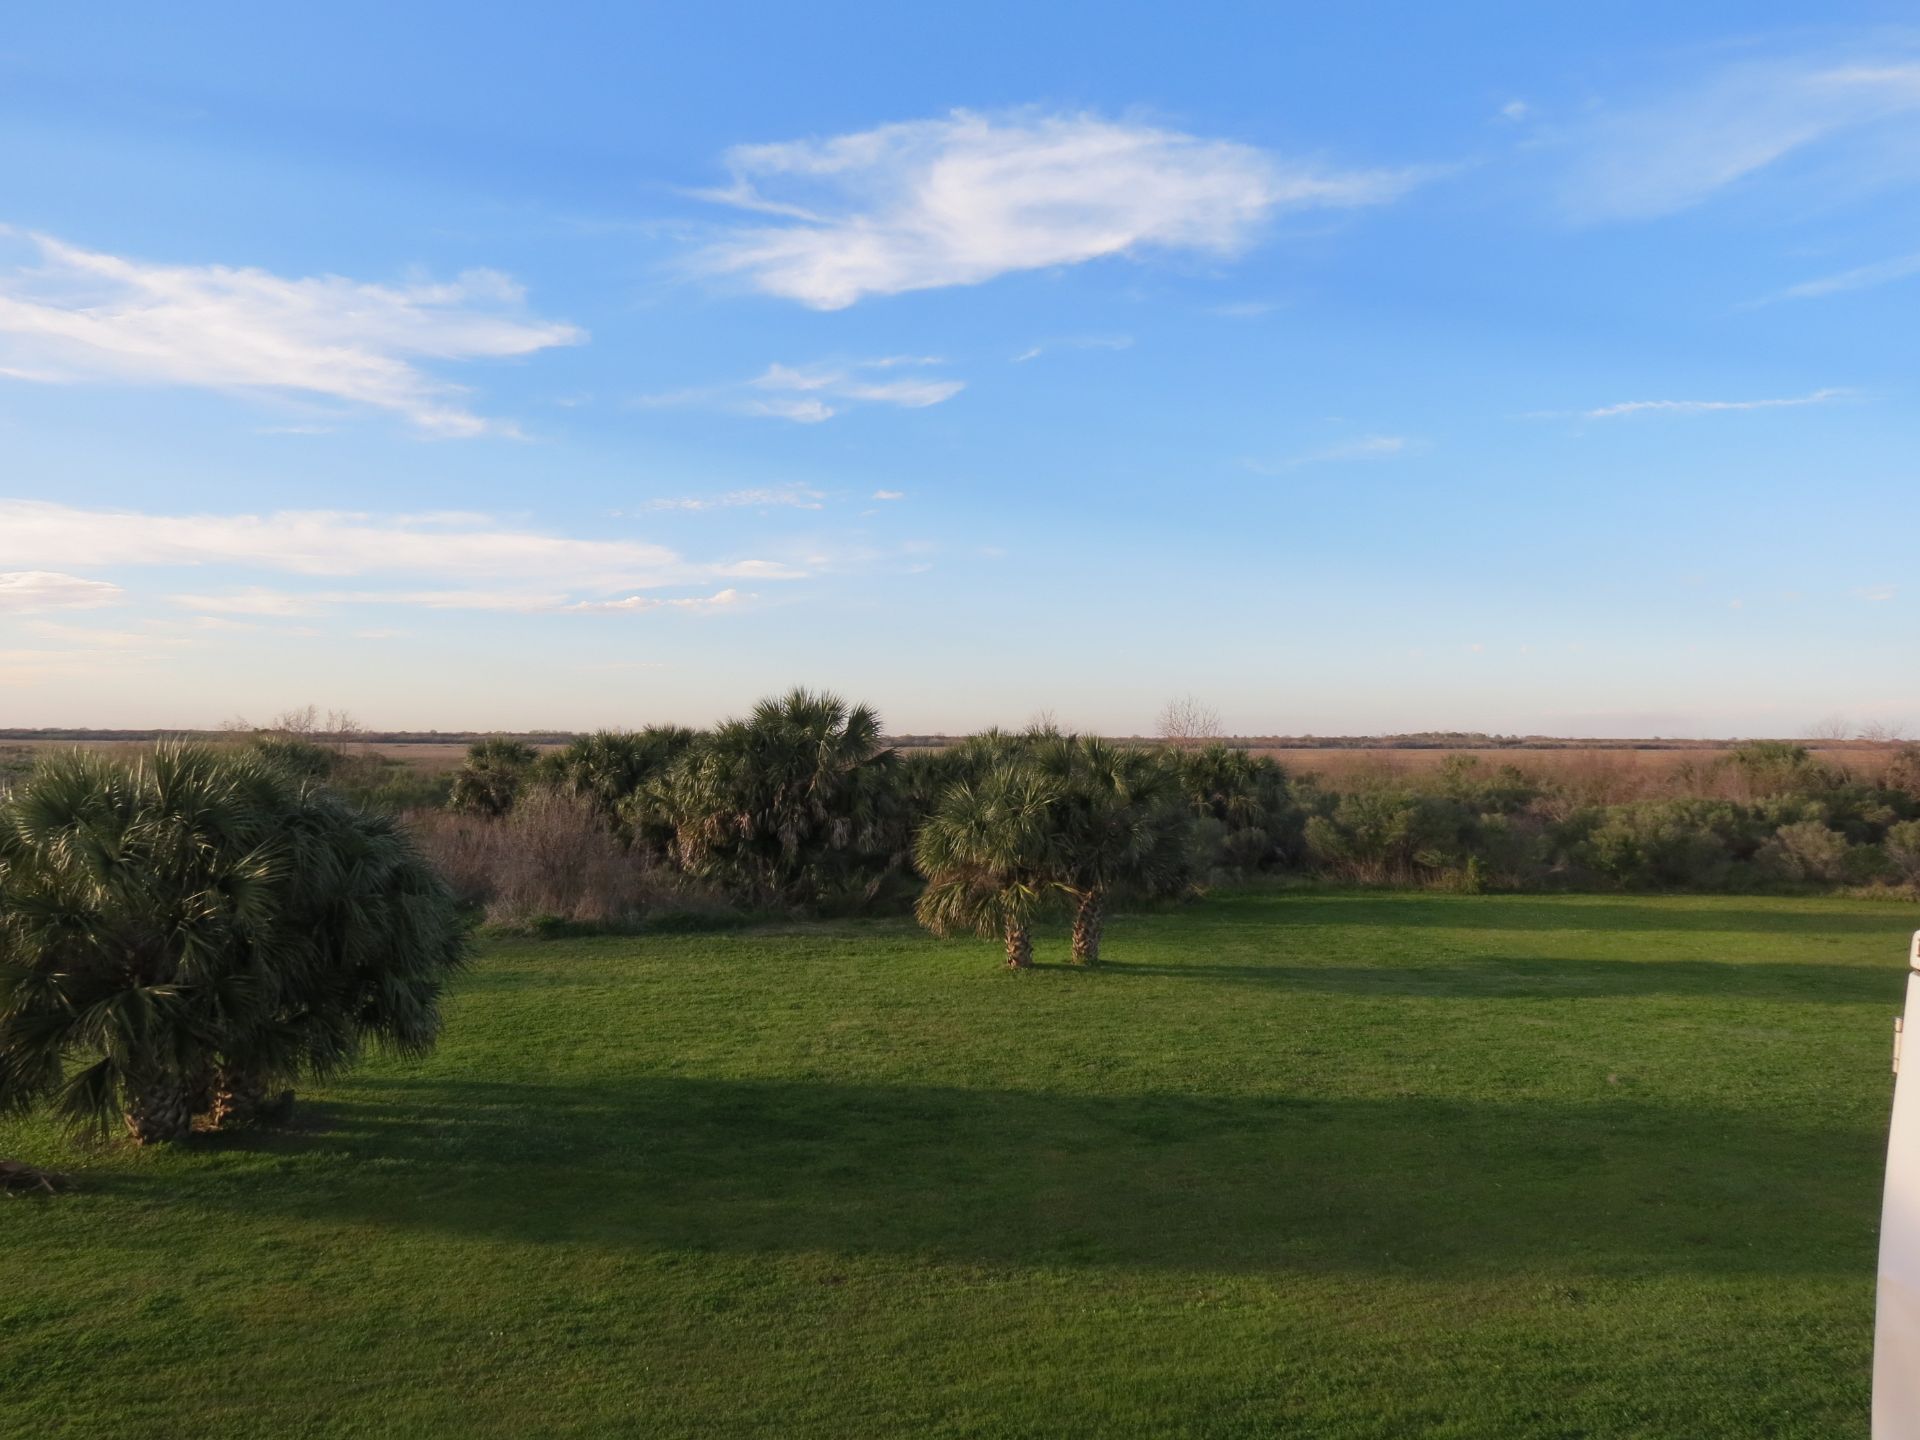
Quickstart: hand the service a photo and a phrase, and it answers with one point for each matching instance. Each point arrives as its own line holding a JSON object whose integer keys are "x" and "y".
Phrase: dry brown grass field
{"x": 1609, "y": 773}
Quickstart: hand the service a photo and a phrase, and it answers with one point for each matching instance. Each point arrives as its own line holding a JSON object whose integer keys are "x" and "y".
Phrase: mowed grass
{"x": 1315, "y": 1164}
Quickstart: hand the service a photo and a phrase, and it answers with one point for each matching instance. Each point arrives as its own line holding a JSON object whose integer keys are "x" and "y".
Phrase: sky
{"x": 1354, "y": 369}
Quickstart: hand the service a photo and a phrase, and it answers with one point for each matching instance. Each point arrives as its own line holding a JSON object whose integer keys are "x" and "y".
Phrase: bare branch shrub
{"x": 1187, "y": 721}
{"x": 553, "y": 857}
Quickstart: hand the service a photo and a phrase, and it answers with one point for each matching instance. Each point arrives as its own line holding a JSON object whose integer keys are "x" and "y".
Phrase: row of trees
{"x": 803, "y": 804}
{"x": 185, "y": 931}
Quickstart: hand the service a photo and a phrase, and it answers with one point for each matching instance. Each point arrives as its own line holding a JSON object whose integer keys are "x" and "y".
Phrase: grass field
{"x": 1308, "y": 1163}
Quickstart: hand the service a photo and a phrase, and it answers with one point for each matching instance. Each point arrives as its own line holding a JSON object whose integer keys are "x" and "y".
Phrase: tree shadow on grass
{"x": 1709, "y": 915}
{"x": 1005, "y": 1178}
{"x": 1510, "y": 978}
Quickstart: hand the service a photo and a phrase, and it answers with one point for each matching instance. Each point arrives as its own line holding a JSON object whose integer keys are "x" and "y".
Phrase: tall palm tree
{"x": 991, "y": 857}
{"x": 178, "y": 931}
{"x": 791, "y": 801}
{"x": 1122, "y": 827}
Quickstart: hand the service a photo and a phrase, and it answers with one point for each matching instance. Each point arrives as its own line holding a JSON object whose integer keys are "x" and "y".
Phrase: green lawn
{"x": 1307, "y": 1164}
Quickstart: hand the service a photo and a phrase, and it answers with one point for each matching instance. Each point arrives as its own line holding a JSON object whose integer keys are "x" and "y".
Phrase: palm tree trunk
{"x": 159, "y": 1108}
{"x": 1019, "y": 947}
{"x": 238, "y": 1096}
{"x": 1089, "y": 921}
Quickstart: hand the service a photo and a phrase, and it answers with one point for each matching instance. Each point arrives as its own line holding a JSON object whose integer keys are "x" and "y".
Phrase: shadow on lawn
{"x": 1503, "y": 977}
{"x": 1400, "y": 910}
{"x": 1248, "y": 1185}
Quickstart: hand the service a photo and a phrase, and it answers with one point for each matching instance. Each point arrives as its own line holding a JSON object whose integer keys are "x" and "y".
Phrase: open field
{"x": 1309, "y": 1163}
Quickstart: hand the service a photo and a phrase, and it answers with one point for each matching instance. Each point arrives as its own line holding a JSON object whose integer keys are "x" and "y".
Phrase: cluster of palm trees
{"x": 184, "y": 931}
{"x": 1047, "y": 817}
{"x": 802, "y": 804}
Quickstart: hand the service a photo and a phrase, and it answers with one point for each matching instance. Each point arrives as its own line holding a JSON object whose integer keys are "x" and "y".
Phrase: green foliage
{"x": 612, "y": 770}
{"x": 1250, "y": 820}
{"x": 1780, "y": 767}
{"x": 1671, "y": 845}
{"x": 1120, "y": 824}
{"x": 490, "y": 781}
{"x": 794, "y": 804}
{"x": 196, "y": 913}
{"x": 1903, "y": 853}
{"x": 992, "y": 852}
{"x": 295, "y": 755}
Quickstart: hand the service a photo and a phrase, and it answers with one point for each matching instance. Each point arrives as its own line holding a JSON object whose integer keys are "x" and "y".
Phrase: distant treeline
{"x": 1420, "y": 740}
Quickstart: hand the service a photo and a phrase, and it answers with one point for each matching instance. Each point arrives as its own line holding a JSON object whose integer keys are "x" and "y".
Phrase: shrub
{"x": 490, "y": 780}
{"x": 1902, "y": 850}
{"x": 1677, "y": 845}
{"x": 1806, "y": 850}
{"x": 1251, "y": 820}
{"x": 553, "y": 857}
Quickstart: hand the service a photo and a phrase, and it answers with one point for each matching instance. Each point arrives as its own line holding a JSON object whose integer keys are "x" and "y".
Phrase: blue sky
{"x": 1354, "y": 368}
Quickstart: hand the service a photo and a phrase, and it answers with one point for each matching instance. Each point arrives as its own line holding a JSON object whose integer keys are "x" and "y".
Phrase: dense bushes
{"x": 1795, "y": 822}
{"x": 801, "y": 806}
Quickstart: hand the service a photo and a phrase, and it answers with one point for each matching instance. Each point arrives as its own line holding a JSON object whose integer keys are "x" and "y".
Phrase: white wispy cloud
{"x": 1366, "y": 447}
{"x": 75, "y": 316}
{"x": 967, "y": 197}
{"x": 719, "y": 600}
{"x": 795, "y": 497}
{"x": 1244, "y": 309}
{"x": 320, "y": 542}
{"x": 507, "y": 600}
{"x": 809, "y": 394}
{"x": 889, "y": 494}
{"x": 1861, "y": 277}
{"x": 1680, "y": 149}
{"x": 443, "y": 561}
{"x": 1078, "y": 342}
{"x": 1704, "y": 407}
{"x": 26, "y": 592}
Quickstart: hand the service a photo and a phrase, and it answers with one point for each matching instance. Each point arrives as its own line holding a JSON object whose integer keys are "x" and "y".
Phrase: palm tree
{"x": 793, "y": 802}
{"x": 490, "y": 780}
{"x": 179, "y": 931}
{"x": 1121, "y": 827}
{"x": 609, "y": 768}
{"x": 373, "y": 935}
{"x": 990, "y": 856}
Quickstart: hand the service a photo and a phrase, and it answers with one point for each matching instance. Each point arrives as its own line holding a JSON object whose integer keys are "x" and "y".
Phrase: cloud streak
{"x": 962, "y": 199}
{"x": 81, "y": 316}
{"x": 1731, "y": 125}
{"x": 28, "y": 592}
{"x": 1861, "y": 277}
{"x": 810, "y": 394}
{"x": 1367, "y": 447}
{"x": 795, "y": 497}
{"x": 449, "y": 561}
{"x": 1706, "y": 407}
